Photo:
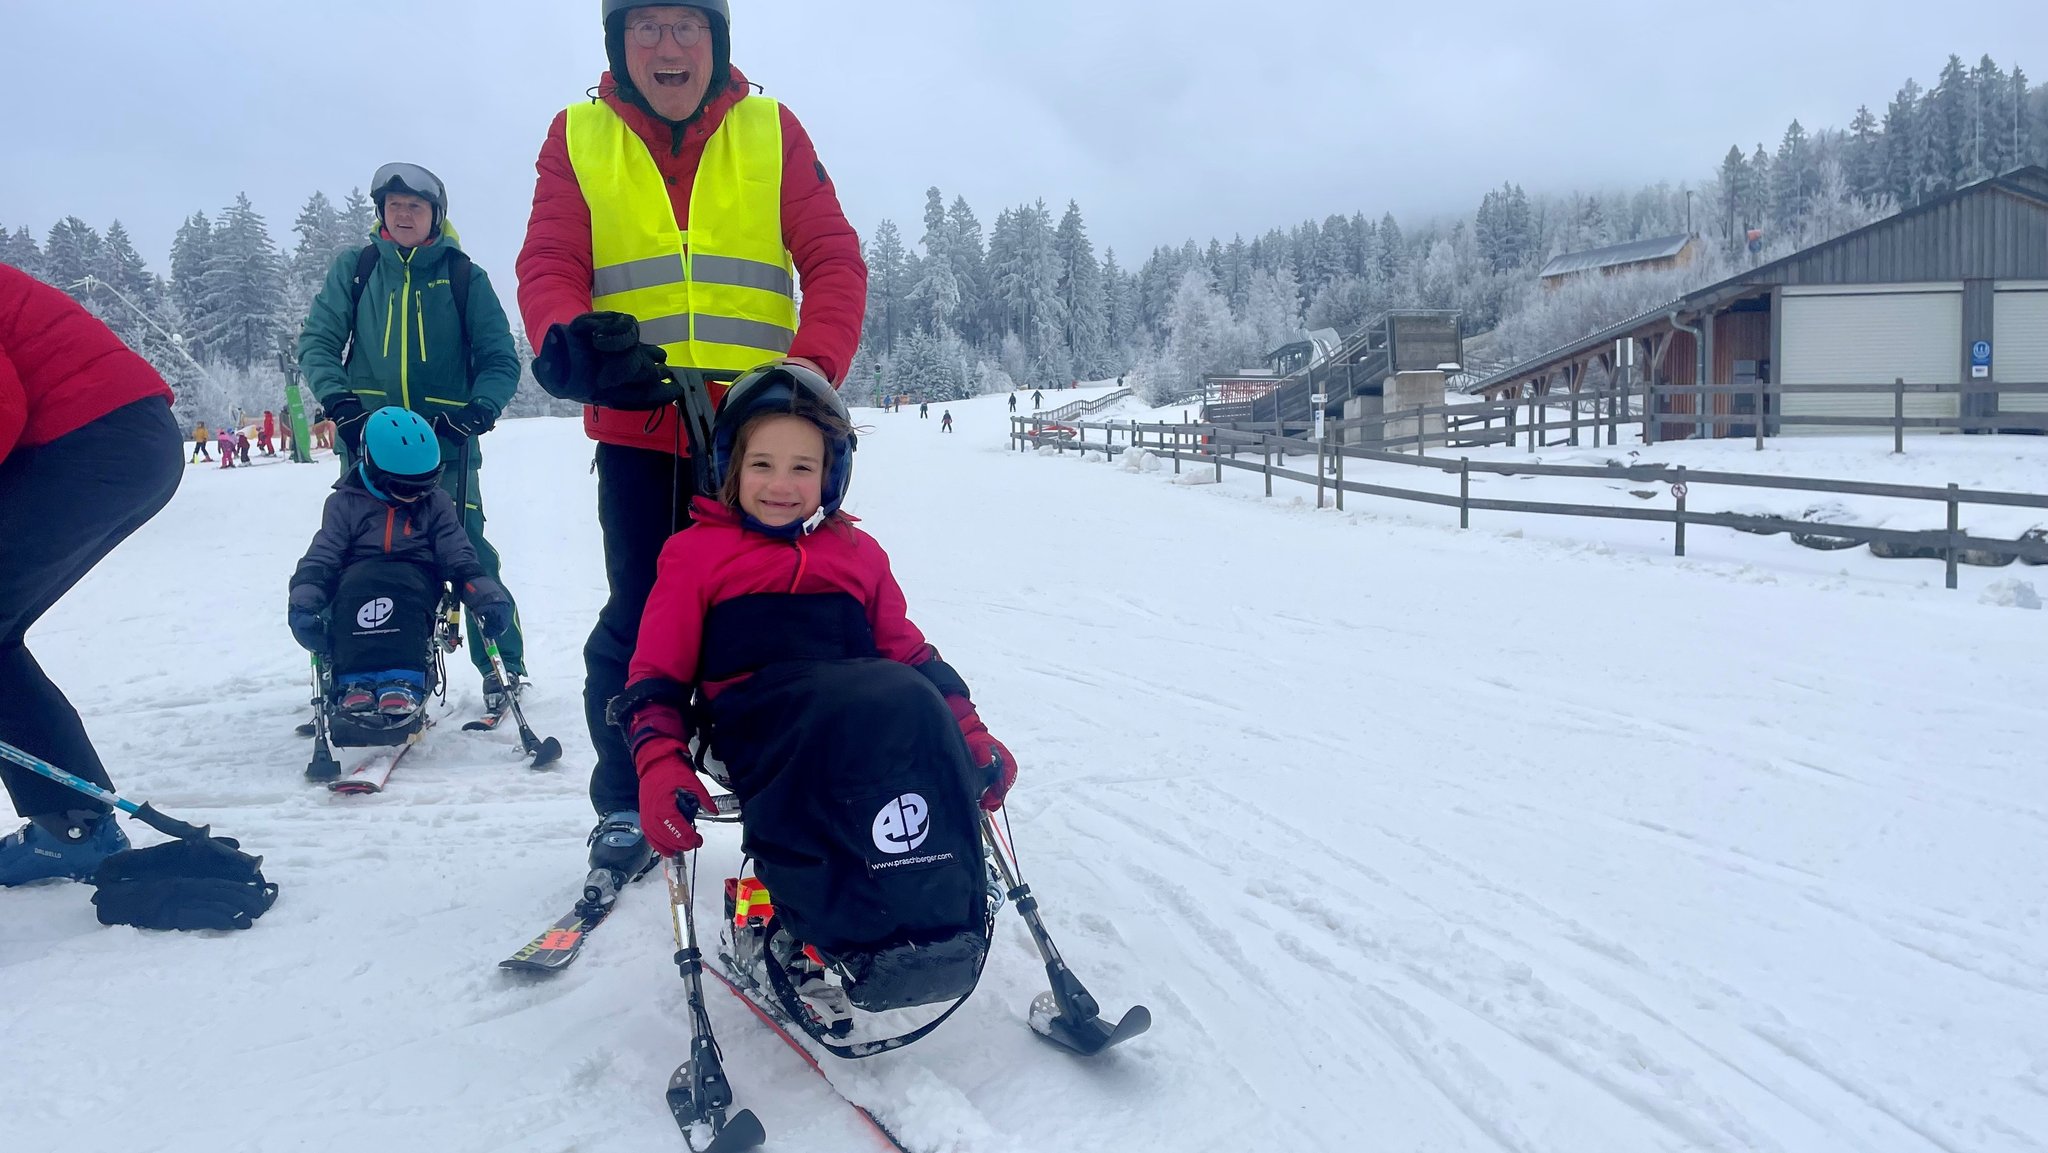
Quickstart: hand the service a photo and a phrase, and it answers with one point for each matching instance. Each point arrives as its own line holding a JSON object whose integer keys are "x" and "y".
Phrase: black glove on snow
{"x": 598, "y": 359}
{"x": 473, "y": 419}
{"x": 348, "y": 415}
{"x": 201, "y": 884}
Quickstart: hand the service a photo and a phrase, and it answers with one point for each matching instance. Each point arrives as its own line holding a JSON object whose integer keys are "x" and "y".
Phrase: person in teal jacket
{"x": 423, "y": 330}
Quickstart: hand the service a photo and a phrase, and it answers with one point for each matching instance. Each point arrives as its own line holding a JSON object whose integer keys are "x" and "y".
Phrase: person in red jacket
{"x": 673, "y": 88}
{"x": 777, "y": 628}
{"x": 88, "y": 453}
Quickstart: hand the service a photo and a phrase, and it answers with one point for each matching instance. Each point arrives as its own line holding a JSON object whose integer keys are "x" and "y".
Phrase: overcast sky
{"x": 1164, "y": 121}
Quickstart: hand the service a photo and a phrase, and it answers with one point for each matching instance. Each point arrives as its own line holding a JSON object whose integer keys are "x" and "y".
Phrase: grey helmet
{"x": 614, "y": 17}
{"x": 399, "y": 176}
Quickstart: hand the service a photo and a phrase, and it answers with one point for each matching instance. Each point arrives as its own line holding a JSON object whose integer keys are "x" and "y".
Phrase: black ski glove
{"x": 348, "y": 415}
{"x": 473, "y": 419}
{"x": 598, "y": 359}
{"x": 201, "y": 884}
{"x": 303, "y": 615}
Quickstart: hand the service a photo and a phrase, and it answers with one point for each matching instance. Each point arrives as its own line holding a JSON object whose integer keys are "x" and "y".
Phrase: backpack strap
{"x": 366, "y": 263}
{"x": 460, "y": 271}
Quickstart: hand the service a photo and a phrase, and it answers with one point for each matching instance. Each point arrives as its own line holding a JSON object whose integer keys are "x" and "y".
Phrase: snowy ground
{"x": 1411, "y": 839}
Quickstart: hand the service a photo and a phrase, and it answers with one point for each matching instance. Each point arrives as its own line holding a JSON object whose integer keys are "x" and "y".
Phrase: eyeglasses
{"x": 647, "y": 33}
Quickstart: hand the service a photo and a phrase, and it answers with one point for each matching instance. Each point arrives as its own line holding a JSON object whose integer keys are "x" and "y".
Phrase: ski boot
{"x": 827, "y": 1003}
{"x": 619, "y": 847}
{"x": 497, "y": 696}
{"x": 68, "y": 845}
{"x": 358, "y": 697}
{"x": 398, "y": 700}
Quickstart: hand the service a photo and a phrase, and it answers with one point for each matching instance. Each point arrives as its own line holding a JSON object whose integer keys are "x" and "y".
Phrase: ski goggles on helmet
{"x": 409, "y": 178}
{"x": 409, "y": 486}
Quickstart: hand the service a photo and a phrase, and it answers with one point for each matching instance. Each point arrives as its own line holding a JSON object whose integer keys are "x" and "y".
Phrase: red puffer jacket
{"x": 60, "y": 368}
{"x": 716, "y": 560}
{"x": 555, "y": 263}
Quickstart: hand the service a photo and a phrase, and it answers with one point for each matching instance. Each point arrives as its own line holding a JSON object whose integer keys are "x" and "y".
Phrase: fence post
{"x": 1681, "y": 511}
{"x": 1266, "y": 461}
{"x": 1464, "y": 492}
{"x": 1319, "y": 474}
{"x": 1339, "y": 450}
{"x": 1953, "y": 522}
{"x": 1175, "y": 450}
{"x": 1899, "y": 418}
{"x": 1759, "y": 416}
{"x": 1216, "y": 452}
{"x": 1650, "y": 429}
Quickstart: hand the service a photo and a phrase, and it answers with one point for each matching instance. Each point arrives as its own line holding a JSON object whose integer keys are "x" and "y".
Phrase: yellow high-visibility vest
{"x": 720, "y": 295}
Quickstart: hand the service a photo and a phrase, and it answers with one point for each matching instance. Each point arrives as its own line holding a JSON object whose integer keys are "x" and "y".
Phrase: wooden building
{"x": 1952, "y": 293}
{"x": 1660, "y": 252}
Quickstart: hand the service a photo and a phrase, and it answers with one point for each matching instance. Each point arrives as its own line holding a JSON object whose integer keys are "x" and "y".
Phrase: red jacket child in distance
{"x": 772, "y": 573}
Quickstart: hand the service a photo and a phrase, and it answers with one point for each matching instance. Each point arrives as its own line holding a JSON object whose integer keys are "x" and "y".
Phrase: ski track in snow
{"x": 1410, "y": 839}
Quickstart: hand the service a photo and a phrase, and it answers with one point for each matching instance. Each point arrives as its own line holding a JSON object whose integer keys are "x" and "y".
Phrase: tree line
{"x": 960, "y": 310}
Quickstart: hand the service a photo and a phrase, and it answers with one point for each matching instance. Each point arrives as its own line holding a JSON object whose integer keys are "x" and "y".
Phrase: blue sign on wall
{"x": 1980, "y": 352}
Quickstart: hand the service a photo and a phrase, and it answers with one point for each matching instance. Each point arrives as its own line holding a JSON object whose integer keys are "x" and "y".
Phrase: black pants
{"x": 643, "y": 498}
{"x": 63, "y": 507}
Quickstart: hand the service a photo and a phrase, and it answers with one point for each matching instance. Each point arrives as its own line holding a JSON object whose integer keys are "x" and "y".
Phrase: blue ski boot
{"x": 618, "y": 845}
{"x": 68, "y": 845}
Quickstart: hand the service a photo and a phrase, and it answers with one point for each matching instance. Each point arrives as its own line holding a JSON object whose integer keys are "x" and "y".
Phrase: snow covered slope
{"x": 1691, "y": 855}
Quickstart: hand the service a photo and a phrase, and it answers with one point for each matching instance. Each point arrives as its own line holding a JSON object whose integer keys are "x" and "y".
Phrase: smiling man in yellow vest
{"x": 673, "y": 214}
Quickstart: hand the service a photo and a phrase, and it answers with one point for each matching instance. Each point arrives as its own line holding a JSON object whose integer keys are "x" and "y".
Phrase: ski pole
{"x": 543, "y": 751}
{"x": 145, "y": 813}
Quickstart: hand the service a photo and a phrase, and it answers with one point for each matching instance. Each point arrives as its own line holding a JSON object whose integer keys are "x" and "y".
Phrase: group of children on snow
{"x": 772, "y": 577}
{"x": 233, "y": 442}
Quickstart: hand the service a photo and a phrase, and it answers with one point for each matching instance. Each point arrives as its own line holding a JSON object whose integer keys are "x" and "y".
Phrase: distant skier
{"x": 89, "y": 452}
{"x": 946, "y": 421}
{"x": 924, "y": 410}
{"x": 815, "y": 686}
{"x": 224, "y": 440}
{"x": 242, "y": 447}
{"x": 200, "y": 437}
{"x": 1037, "y": 400}
{"x": 1013, "y": 402}
{"x": 265, "y": 438}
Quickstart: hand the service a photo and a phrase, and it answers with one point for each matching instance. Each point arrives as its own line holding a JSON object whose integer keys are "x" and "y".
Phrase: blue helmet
{"x": 774, "y": 388}
{"x": 401, "y": 454}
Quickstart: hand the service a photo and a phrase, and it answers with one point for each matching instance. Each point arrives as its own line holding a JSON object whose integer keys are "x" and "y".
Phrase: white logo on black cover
{"x": 374, "y": 612}
{"x": 903, "y": 824}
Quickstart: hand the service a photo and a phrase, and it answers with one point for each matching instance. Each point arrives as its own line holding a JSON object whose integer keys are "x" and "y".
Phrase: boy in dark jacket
{"x": 389, "y": 536}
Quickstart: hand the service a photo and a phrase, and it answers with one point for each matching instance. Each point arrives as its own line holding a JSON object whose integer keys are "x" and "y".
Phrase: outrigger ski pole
{"x": 1066, "y": 1013}
{"x": 698, "y": 1093}
{"x": 323, "y": 766}
{"x": 543, "y": 752}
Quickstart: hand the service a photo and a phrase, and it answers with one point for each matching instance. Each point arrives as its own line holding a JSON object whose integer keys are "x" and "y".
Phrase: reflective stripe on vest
{"x": 721, "y": 295}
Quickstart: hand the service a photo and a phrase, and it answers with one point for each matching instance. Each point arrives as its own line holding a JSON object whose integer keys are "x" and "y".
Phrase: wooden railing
{"x": 1221, "y": 446}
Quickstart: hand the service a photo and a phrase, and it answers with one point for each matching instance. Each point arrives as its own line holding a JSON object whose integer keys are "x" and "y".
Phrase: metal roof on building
{"x": 2015, "y": 253}
{"x": 1616, "y": 255}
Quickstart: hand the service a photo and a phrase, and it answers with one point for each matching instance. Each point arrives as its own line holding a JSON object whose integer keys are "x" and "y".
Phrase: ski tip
{"x": 477, "y": 726}
{"x": 351, "y": 787}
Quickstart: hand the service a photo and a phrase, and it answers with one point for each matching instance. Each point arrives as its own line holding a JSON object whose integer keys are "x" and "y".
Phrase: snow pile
{"x": 2011, "y": 594}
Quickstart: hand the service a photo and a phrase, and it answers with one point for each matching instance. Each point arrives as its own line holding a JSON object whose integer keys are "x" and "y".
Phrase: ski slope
{"x": 1411, "y": 839}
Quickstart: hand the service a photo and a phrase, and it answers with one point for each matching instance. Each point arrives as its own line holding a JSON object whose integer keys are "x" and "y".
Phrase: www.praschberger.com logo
{"x": 374, "y": 612}
{"x": 902, "y": 824}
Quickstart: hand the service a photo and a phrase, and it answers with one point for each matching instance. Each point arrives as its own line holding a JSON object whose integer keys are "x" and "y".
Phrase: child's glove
{"x": 494, "y": 618}
{"x": 986, "y": 752}
{"x": 671, "y": 796}
{"x": 303, "y": 615}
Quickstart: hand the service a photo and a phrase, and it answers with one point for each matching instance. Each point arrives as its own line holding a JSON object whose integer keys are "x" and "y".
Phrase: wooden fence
{"x": 1222, "y": 446}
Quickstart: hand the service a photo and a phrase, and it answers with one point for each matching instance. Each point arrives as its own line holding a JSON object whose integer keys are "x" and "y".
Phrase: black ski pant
{"x": 643, "y": 498}
{"x": 63, "y": 507}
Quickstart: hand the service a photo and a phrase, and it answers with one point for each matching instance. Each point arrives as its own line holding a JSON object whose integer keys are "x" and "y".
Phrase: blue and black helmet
{"x": 775, "y": 388}
{"x": 401, "y": 455}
